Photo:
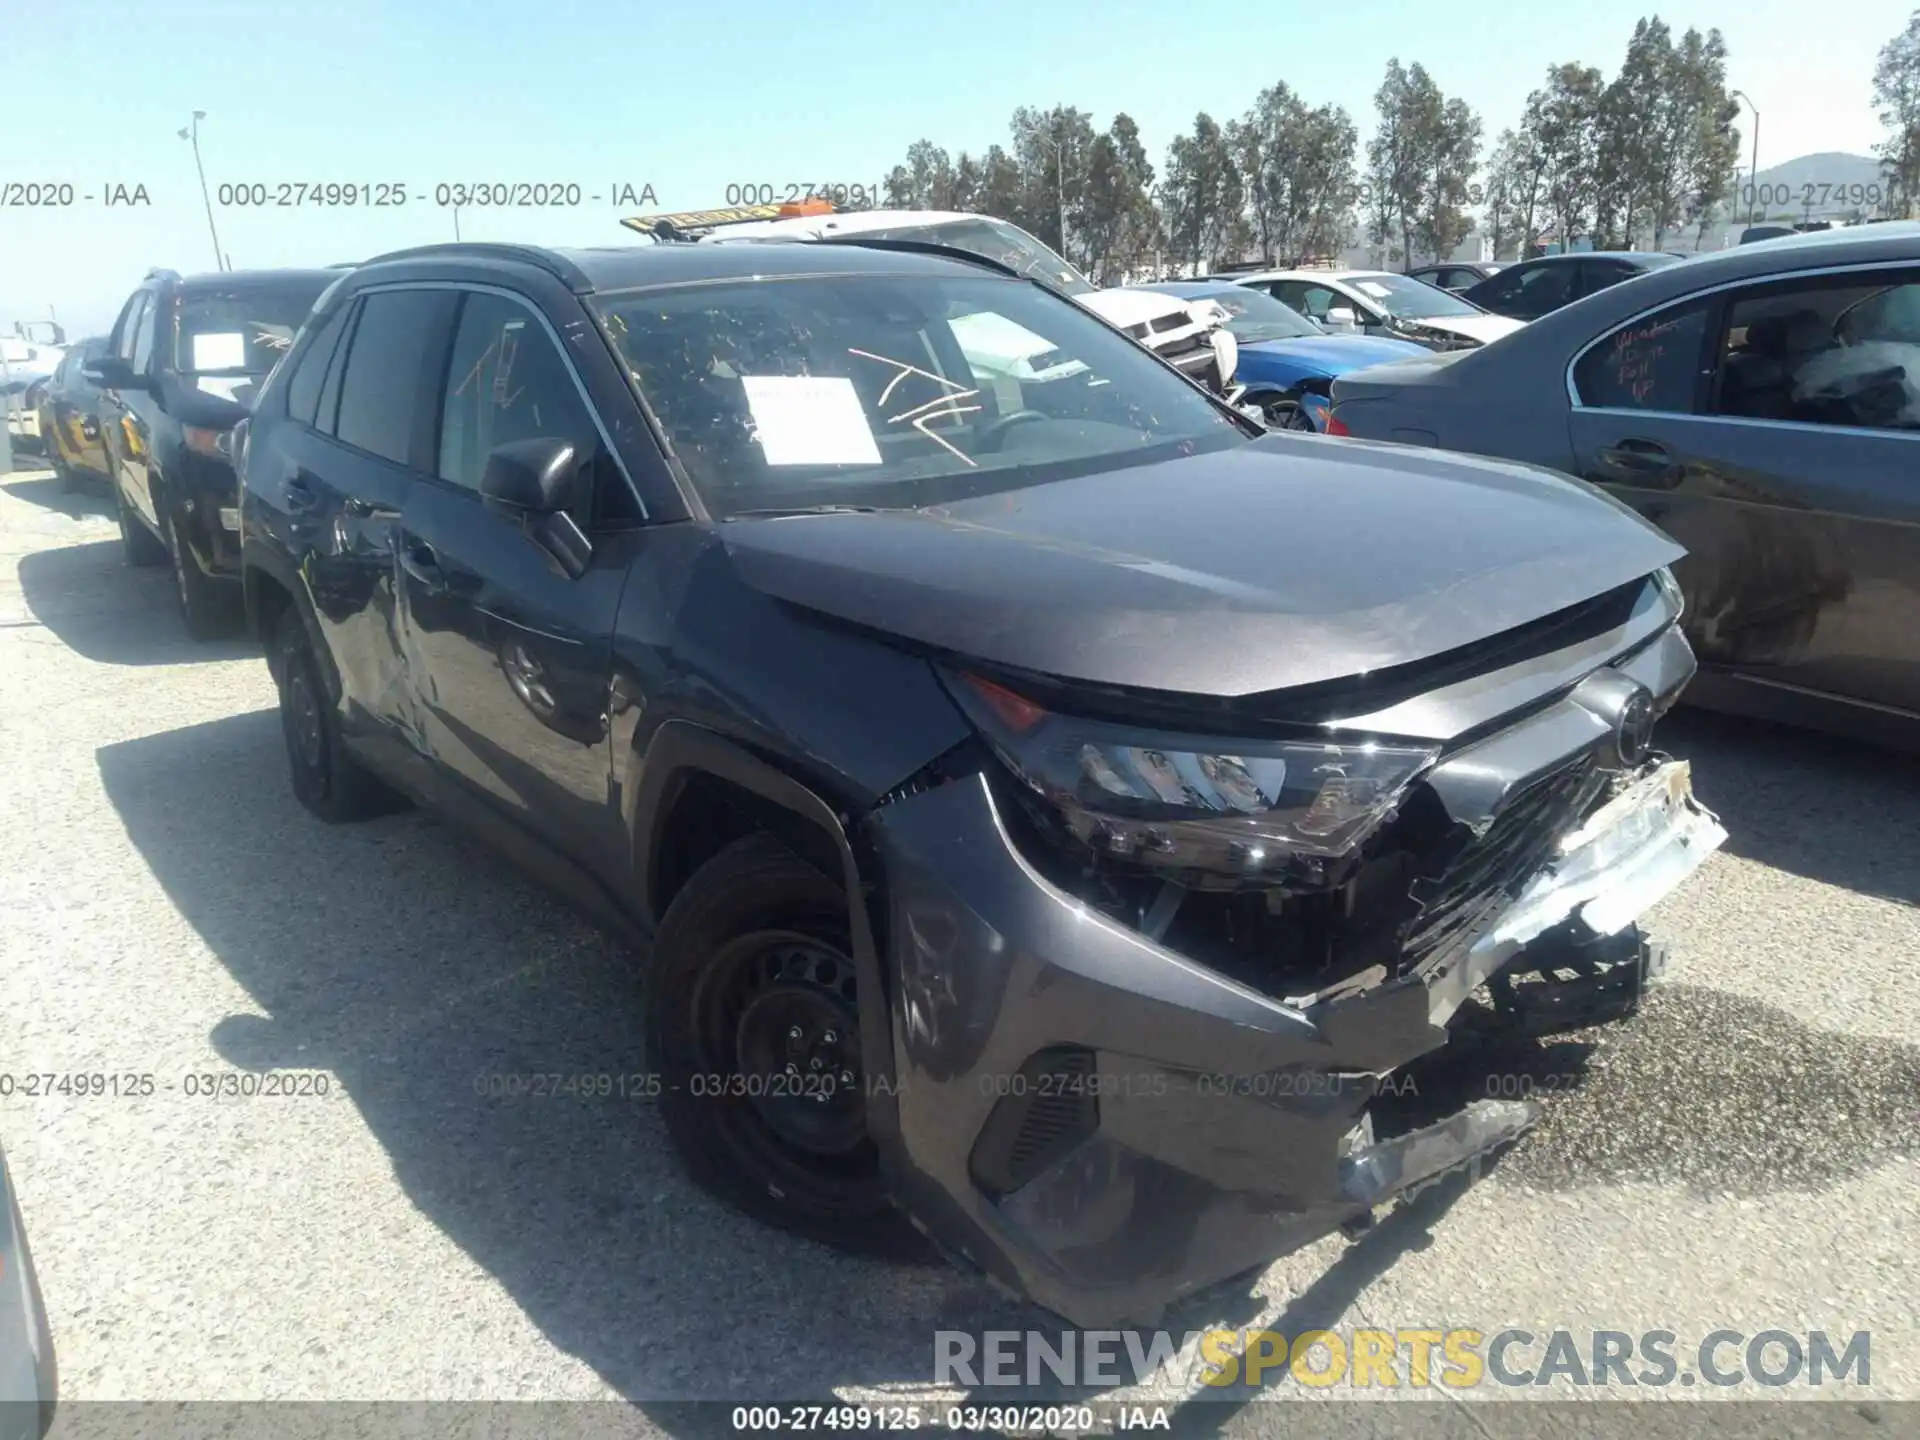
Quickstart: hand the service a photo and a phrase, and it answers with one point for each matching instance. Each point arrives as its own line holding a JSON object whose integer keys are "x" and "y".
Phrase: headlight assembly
{"x": 1188, "y": 802}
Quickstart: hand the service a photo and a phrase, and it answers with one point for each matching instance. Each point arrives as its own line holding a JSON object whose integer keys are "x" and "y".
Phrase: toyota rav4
{"x": 1051, "y": 809}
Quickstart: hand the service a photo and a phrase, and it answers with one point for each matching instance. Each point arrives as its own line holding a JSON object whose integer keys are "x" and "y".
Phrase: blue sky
{"x": 690, "y": 98}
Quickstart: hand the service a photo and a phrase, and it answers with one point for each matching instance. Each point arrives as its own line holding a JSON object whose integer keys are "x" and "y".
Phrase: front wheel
{"x": 1287, "y": 413}
{"x": 138, "y": 545}
{"x": 210, "y": 609}
{"x": 754, "y": 1030}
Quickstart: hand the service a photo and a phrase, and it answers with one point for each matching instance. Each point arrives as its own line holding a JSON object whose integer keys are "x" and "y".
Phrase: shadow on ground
{"x": 106, "y": 610}
{"x": 48, "y": 493}
{"x": 1818, "y": 806}
{"x": 415, "y": 965}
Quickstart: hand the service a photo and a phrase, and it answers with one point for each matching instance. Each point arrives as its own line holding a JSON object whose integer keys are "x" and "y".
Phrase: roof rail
{"x": 557, "y": 266}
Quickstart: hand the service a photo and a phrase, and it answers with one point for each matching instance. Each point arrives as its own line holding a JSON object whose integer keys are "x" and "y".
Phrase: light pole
{"x": 1058, "y": 148}
{"x": 192, "y": 133}
{"x": 1753, "y": 174}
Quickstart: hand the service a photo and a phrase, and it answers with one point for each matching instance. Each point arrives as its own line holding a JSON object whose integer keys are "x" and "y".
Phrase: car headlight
{"x": 1189, "y": 802}
{"x": 1670, "y": 590}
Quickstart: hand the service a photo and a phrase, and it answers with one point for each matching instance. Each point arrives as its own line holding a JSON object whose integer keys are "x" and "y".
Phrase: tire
{"x": 326, "y": 778}
{"x": 210, "y": 609}
{"x": 755, "y": 948}
{"x": 1285, "y": 413}
{"x": 138, "y": 545}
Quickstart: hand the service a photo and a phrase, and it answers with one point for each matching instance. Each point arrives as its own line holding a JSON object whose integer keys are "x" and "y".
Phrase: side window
{"x": 1546, "y": 288}
{"x": 1597, "y": 275}
{"x": 1652, "y": 364}
{"x": 1842, "y": 351}
{"x": 396, "y": 350}
{"x": 336, "y": 367}
{"x": 303, "y": 386}
{"x": 129, "y": 325}
{"x": 143, "y": 336}
{"x": 508, "y": 381}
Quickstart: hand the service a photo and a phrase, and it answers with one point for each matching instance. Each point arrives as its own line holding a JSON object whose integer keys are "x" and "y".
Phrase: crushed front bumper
{"x": 1105, "y": 1126}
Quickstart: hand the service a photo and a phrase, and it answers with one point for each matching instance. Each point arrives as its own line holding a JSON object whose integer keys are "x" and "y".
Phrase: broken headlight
{"x": 1188, "y": 802}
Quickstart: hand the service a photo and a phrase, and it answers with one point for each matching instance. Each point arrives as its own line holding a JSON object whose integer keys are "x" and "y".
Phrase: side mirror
{"x": 1342, "y": 317}
{"x": 539, "y": 478}
{"x": 110, "y": 372}
{"x": 536, "y": 476}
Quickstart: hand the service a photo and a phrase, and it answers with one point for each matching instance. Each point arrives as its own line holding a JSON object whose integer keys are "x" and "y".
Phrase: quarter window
{"x": 396, "y": 342}
{"x": 303, "y": 387}
{"x": 1843, "y": 351}
{"x": 143, "y": 337}
{"x": 1652, "y": 364}
{"x": 130, "y": 325}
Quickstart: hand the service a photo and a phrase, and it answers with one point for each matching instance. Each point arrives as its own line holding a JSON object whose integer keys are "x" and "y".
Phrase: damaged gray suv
{"x": 1055, "y": 808}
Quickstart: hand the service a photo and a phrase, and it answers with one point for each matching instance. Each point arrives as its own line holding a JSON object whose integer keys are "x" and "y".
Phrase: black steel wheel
{"x": 754, "y": 1029}
{"x": 327, "y": 779}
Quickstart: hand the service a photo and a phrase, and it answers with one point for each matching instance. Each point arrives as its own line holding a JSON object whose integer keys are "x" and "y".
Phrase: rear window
{"x": 242, "y": 331}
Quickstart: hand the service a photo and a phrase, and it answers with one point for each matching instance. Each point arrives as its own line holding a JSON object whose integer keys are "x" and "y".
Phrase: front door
{"x": 509, "y": 656}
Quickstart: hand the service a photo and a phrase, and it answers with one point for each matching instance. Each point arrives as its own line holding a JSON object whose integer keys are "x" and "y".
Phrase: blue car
{"x": 1287, "y": 363}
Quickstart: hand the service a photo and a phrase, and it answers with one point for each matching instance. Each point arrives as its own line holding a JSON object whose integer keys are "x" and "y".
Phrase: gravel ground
{"x": 1743, "y": 1155}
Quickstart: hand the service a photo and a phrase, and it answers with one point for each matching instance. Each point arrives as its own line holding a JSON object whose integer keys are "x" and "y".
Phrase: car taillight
{"x": 1336, "y": 426}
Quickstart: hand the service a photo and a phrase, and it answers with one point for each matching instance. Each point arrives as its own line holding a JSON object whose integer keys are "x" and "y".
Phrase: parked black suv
{"x": 1052, "y": 804}
{"x": 180, "y": 365}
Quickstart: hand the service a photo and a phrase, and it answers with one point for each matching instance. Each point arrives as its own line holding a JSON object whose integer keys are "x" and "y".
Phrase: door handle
{"x": 1641, "y": 460}
{"x": 367, "y": 509}
{"x": 419, "y": 561}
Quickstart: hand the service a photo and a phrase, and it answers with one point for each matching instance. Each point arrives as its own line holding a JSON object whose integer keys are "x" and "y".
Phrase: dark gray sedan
{"x": 1760, "y": 404}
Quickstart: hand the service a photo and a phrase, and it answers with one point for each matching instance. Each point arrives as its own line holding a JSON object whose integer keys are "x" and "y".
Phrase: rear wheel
{"x": 326, "y": 778}
{"x": 210, "y": 609}
{"x": 754, "y": 1029}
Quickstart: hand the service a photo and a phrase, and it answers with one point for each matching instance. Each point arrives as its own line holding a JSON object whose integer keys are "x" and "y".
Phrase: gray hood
{"x": 1283, "y": 562}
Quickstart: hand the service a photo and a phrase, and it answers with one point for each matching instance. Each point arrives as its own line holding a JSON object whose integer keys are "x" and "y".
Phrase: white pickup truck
{"x": 1191, "y": 336}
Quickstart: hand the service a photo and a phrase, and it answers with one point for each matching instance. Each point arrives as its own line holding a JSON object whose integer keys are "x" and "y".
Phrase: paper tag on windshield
{"x": 1373, "y": 288}
{"x": 810, "y": 420}
{"x": 222, "y": 351}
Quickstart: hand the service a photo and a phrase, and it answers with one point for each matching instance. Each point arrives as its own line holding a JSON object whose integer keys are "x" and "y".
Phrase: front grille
{"x": 1050, "y": 1109}
{"x": 1466, "y": 892}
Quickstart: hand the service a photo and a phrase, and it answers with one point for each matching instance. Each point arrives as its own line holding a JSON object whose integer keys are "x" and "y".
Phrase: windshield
{"x": 896, "y": 391}
{"x": 997, "y": 240}
{"x": 242, "y": 331}
{"x": 1406, "y": 298}
{"x": 1253, "y": 315}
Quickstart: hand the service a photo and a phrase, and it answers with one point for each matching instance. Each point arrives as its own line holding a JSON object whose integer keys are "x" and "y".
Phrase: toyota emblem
{"x": 1634, "y": 737}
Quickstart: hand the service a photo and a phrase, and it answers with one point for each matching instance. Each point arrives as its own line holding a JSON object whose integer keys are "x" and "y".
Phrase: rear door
{"x": 510, "y": 656}
{"x": 119, "y": 440}
{"x": 1774, "y": 430}
{"x": 362, "y": 404}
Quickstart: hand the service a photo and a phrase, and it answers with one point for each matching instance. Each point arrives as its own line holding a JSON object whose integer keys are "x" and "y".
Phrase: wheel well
{"x": 705, "y": 813}
{"x": 267, "y": 600}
